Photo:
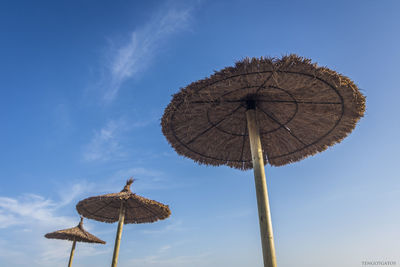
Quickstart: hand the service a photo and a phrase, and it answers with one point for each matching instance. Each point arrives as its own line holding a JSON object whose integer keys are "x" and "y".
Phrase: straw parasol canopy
{"x": 262, "y": 110}
{"x": 302, "y": 109}
{"x": 106, "y": 208}
{"x": 124, "y": 207}
{"x": 76, "y": 233}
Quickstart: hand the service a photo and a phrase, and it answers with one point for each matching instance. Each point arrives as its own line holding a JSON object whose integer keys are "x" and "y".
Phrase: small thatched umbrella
{"x": 75, "y": 234}
{"x": 124, "y": 207}
{"x": 261, "y": 111}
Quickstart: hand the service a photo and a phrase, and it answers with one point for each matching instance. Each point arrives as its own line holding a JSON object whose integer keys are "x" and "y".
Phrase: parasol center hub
{"x": 250, "y": 104}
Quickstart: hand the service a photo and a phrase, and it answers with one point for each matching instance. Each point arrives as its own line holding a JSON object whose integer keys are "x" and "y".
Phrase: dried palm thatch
{"x": 106, "y": 208}
{"x": 124, "y": 207}
{"x": 301, "y": 108}
{"x": 76, "y": 233}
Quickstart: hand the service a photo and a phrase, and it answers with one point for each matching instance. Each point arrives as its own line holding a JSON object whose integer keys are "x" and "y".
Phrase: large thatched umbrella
{"x": 75, "y": 234}
{"x": 261, "y": 111}
{"x": 124, "y": 207}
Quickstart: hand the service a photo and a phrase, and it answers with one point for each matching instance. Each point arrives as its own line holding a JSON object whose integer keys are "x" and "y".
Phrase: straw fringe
{"x": 302, "y": 109}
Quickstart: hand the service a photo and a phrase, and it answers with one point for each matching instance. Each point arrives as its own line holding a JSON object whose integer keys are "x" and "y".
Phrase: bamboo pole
{"x": 264, "y": 214}
{"x": 71, "y": 256}
{"x": 119, "y": 233}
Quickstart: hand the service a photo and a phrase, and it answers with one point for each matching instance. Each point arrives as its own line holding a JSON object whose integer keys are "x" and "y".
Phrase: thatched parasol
{"x": 124, "y": 207}
{"x": 261, "y": 111}
{"x": 75, "y": 234}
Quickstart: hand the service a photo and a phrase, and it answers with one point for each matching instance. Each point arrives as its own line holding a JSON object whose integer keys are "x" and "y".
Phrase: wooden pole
{"x": 264, "y": 214}
{"x": 71, "y": 256}
{"x": 119, "y": 233}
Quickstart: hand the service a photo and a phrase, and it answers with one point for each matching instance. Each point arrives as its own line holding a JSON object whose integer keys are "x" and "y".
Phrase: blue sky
{"x": 84, "y": 84}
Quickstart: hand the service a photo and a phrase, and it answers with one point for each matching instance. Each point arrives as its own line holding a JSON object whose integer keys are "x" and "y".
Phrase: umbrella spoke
{"x": 300, "y": 102}
{"x": 244, "y": 141}
{"x": 214, "y": 125}
{"x": 215, "y": 101}
{"x": 105, "y": 206}
{"x": 282, "y": 125}
{"x": 152, "y": 212}
{"x": 129, "y": 207}
{"x": 265, "y": 81}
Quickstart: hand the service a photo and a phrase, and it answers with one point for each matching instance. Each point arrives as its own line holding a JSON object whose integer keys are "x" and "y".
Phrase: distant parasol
{"x": 124, "y": 207}
{"x": 75, "y": 234}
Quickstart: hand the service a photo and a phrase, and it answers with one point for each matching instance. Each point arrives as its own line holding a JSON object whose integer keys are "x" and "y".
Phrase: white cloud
{"x": 164, "y": 248}
{"x": 29, "y": 209}
{"x": 143, "y": 44}
{"x": 147, "y": 180}
{"x": 25, "y": 219}
{"x": 68, "y": 195}
{"x": 141, "y": 175}
{"x": 105, "y": 143}
{"x": 172, "y": 226}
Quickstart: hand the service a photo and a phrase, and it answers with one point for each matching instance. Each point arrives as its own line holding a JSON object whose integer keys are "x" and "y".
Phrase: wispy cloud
{"x": 172, "y": 226}
{"x": 105, "y": 143}
{"x": 26, "y": 218}
{"x": 135, "y": 55}
{"x": 30, "y": 209}
{"x": 148, "y": 180}
{"x": 73, "y": 192}
{"x": 164, "y": 248}
{"x": 145, "y": 177}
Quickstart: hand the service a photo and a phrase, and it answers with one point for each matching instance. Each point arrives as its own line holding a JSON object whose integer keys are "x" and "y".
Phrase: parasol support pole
{"x": 71, "y": 256}
{"x": 119, "y": 233}
{"x": 264, "y": 214}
